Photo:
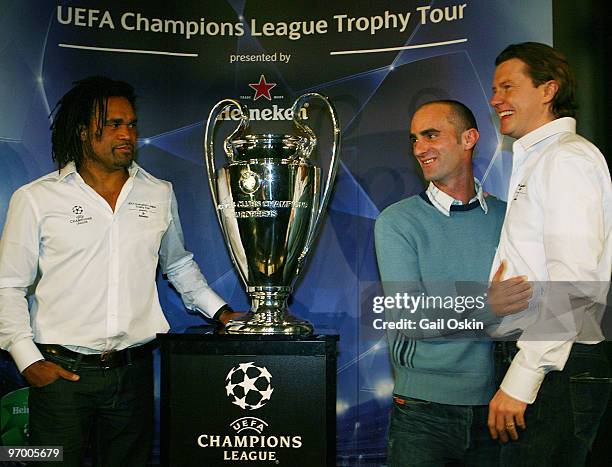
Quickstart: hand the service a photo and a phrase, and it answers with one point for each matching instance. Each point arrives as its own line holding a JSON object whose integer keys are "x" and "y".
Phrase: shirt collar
{"x": 560, "y": 125}
{"x": 443, "y": 201}
{"x": 70, "y": 168}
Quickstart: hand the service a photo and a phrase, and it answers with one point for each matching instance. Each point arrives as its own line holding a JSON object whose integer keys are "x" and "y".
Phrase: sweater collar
{"x": 445, "y": 203}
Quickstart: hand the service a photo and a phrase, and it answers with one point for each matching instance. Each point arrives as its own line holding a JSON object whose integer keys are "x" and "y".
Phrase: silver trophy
{"x": 269, "y": 205}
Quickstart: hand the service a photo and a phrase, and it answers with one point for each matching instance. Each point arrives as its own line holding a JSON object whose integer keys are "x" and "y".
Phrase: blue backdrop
{"x": 377, "y": 61}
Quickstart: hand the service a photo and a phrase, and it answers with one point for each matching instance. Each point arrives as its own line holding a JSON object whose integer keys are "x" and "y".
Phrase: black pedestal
{"x": 248, "y": 400}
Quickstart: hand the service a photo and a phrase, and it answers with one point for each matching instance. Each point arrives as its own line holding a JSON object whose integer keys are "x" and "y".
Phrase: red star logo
{"x": 262, "y": 88}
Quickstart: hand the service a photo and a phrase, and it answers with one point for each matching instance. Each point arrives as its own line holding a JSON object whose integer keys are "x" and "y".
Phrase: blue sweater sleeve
{"x": 395, "y": 252}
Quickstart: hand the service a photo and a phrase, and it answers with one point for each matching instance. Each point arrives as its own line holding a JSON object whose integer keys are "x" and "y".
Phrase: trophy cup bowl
{"x": 269, "y": 205}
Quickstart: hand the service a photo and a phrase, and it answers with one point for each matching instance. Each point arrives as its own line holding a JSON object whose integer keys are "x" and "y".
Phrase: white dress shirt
{"x": 92, "y": 270}
{"x": 557, "y": 232}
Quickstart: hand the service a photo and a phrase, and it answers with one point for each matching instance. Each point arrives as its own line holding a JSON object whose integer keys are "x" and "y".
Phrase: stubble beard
{"x": 122, "y": 160}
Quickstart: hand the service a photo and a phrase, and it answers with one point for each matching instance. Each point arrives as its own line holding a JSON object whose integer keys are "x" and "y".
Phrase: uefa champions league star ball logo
{"x": 249, "y": 182}
{"x": 249, "y": 386}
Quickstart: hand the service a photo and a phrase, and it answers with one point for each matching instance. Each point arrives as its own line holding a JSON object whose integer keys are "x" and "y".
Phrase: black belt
{"x": 106, "y": 360}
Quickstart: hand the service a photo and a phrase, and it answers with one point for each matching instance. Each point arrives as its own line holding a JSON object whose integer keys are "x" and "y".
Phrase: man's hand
{"x": 43, "y": 372}
{"x": 228, "y": 315}
{"x": 505, "y": 414}
{"x": 506, "y": 297}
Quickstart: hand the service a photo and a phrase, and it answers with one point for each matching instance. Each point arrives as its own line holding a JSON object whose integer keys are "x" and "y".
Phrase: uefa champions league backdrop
{"x": 377, "y": 61}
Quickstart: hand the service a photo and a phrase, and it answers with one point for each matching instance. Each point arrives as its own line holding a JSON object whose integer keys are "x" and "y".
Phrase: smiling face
{"x": 442, "y": 150}
{"x": 114, "y": 147}
{"x": 521, "y": 106}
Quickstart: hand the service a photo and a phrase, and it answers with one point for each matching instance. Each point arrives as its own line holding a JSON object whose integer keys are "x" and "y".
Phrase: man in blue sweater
{"x": 429, "y": 246}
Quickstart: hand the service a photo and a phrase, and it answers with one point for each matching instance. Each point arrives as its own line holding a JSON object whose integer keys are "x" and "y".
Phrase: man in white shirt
{"x": 88, "y": 239}
{"x": 558, "y": 233}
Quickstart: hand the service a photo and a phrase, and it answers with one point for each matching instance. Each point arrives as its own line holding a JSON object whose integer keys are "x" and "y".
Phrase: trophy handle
{"x": 209, "y": 145}
{"x": 333, "y": 167}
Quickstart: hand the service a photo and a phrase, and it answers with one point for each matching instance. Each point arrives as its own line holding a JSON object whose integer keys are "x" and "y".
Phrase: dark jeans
{"x": 562, "y": 422}
{"x": 427, "y": 434}
{"x": 118, "y": 401}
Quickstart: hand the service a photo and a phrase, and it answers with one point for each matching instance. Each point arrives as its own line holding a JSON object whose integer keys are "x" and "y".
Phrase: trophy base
{"x": 270, "y": 324}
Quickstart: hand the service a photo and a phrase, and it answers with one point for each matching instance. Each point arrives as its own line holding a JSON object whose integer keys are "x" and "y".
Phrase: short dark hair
{"x": 74, "y": 111}
{"x": 542, "y": 64}
{"x": 460, "y": 115}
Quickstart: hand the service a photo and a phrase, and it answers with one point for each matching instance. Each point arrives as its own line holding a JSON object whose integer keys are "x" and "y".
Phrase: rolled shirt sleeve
{"x": 183, "y": 272}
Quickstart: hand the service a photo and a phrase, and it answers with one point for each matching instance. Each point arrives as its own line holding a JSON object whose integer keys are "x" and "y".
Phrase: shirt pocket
{"x": 143, "y": 226}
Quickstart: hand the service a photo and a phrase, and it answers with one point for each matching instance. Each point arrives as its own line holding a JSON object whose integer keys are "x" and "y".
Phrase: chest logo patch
{"x": 144, "y": 210}
{"x": 521, "y": 190}
{"x": 79, "y": 216}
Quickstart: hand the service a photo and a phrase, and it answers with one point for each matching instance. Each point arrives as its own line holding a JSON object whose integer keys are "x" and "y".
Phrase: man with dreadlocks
{"x": 88, "y": 239}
